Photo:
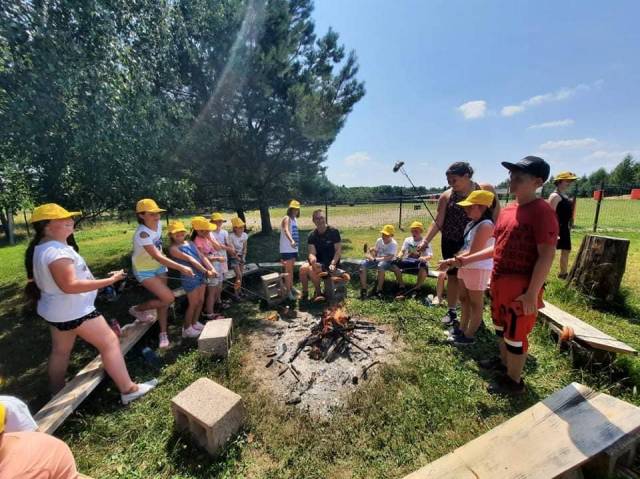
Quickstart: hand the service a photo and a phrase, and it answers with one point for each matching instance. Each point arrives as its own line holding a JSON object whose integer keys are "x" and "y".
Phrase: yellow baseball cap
{"x": 237, "y": 222}
{"x": 51, "y": 211}
{"x": 478, "y": 197}
{"x": 388, "y": 230}
{"x": 416, "y": 225}
{"x": 147, "y": 205}
{"x": 176, "y": 227}
{"x": 202, "y": 223}
{"x": 3, "y": 415}
{"x": 294, "y": 204}
{"x": 565, "y": 175}
{"x": 217, "y": 217}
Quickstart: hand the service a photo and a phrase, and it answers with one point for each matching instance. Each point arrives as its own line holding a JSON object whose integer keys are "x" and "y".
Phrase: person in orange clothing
{"x": 33, "y": 455}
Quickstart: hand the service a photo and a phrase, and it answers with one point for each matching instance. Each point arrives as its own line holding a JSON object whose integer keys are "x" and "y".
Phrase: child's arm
{"x": 64, "y": 274}
{"x": 244, "y": 250}
{"x": 176, "y": 253}
{"x": 210, "y": 271}
{"x": 162, "y": 259}
{"x": 485, "y": 231}
{"x": 477, "y": 256}
{"x": 287, "y": 230}
{"x": 428, "y": 254}
{"x": 554, "y": 199}
{"x": 546, "y": 254}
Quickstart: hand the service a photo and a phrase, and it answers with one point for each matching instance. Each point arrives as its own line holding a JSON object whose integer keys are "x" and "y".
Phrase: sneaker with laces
{"x": 164, "y": 341}
{"x": 507, "y": 386}
{"x": 449, "y": 318}
{"x": 190, "y": 333}
{"x": 462, "y": 340}
{"x": 142, "y": 316}
{"x": 143, "y": 388}
{"x": 198, "y": 326}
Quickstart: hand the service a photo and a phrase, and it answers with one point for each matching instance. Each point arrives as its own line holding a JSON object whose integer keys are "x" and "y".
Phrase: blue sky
{"x": 485, "y": 82}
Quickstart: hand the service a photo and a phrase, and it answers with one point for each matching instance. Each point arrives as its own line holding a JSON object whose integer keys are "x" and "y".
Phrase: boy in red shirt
{"x": 525, "y": 234}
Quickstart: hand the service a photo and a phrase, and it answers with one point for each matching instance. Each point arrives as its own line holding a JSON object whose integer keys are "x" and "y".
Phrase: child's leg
{"x": 398, "y": 272}
{"x": 564, "y": 261}
{"x": 515, "y": 365}
{"x": 192, "y": 305}
{"x": 158, "y": 286}
{"x": 363, "y": 275}
{"x": 199, "y": 304}
{"x": 452, "y": 292}
{"x": 466, "y": 306}
{"x": 476, "y": 307}
{"x": 210, "y": 299}
{"x": 380, "y": 282}
{"x": 422, "y": 276}
{"x": 61, "y": 345}
{"x": 440, "y": 285}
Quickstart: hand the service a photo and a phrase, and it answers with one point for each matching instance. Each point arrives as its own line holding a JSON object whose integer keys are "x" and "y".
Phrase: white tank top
{"x": 469, "y": 233}
{"x": 285, "y": 244}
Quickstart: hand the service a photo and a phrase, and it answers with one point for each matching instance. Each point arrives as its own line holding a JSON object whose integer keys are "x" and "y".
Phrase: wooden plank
{"x": 249, "y": 268}
{"x": 550, "y": 438}
{"x": 433, "y": 273}
{"x": 62, "y": 405}
{"x": 584, "y": 332}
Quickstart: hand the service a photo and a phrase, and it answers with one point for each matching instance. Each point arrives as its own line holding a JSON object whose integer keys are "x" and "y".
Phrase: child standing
{"x": 221, "y": 236}
{"x": 525, "y": 240}
{"x": 289, "y": 241}
{"x": 380, "y": 257}
{"x": 186, "y": 253}
{"x": 473, "y": 277}
{"x": 150, "y": 266}
{"x": 238, "y": 239}
{"x": 411, "y": 260}
{"x": 563, "y": 206}
{"x": 209, "y": 247}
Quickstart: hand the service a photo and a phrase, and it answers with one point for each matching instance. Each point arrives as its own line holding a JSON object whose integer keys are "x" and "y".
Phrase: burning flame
{"x": 335, "y": 316}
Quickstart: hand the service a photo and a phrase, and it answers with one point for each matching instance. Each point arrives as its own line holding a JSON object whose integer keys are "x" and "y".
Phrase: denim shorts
{"x": 142, "y": 275}
{"x": 374, "y": 263}
{"x": 288, "y": 256}
{"x": 410, "y": 264}
{"x": 190, "y": 283}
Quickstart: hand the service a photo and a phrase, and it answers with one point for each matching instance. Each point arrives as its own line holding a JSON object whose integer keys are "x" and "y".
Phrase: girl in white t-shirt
{"x": 150, "y": 267}
{"x": 238, "y": 240}
{"x": 473, "y": 278}
{"x": 64, "y": 290}
{"x": 203, "y": 238}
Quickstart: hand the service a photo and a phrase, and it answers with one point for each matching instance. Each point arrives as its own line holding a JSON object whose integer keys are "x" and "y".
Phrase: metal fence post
{"x": 326, "y": 210}
{"x": 597, "y": 216}
{"x": 400, "y": 215}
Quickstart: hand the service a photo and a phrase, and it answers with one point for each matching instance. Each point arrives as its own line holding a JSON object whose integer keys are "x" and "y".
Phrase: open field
{"x": 409, "y": 413}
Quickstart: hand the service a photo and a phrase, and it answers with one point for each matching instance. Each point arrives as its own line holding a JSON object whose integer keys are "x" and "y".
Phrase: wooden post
{"x": 599, "y": 266}
{"x": 400, "y": 215}
{"x": 26, "y": 223}
{"x": 595, "y": 220}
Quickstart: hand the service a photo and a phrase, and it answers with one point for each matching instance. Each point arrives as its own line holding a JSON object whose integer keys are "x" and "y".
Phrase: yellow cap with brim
{"x": 294, "y": 204}
{"x": 478, "y": 197}
{"x": 217, "y": 217}
{"x": 147, "y": 205}
{"x": 416, "y": 225}
{"x": 566, "y": 176}
{"x": 52, "y": 211}
{"x": 237, "y": 223}
{"x": 177, "y": 227}
{"x": 3, "y": 416}
{"x": 203, "y": 224}
{"x": 388, "y": 230}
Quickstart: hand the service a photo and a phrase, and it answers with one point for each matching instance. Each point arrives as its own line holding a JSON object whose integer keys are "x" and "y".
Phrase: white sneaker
{"x": 143, "y": 389}
{"x": 190, "y": 333}
{"x": 198, "y": 326}
{"x": 164, "y": 341}
{"x": 143, "y": 316}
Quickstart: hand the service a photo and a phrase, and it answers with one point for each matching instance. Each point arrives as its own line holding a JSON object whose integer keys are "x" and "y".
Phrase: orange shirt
{"x": 35, "y": 455}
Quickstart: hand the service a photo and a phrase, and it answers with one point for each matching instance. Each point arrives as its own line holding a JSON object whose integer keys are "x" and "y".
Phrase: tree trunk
{"x": 265, "y": 219}
{"x": 240, "y": 213}
{"x": 11, "y": 227}
{"x": 599, "y": 266}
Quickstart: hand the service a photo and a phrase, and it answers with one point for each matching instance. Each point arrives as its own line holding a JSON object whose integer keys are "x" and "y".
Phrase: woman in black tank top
{"x": 563, "y": 205}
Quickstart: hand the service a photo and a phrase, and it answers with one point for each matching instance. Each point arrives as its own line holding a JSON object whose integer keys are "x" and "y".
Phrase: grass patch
{"x": 431, "y": 401}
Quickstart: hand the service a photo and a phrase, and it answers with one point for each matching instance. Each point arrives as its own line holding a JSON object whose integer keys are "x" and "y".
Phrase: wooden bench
{"x": 249, "y": 269}
{"x": 556, "y": 437}
{"x": 584, "y": 333}
{"x": 62, "y": 405}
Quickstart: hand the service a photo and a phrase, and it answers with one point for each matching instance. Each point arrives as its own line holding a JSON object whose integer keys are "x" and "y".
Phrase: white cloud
{"x": 357, "y": 159}
{"x": 558, "y": 95}
{"x": 610, "y": 157}
{"x": 552, "y": 124}
{"x": 569, "y": 144}
{"x": 472, "y": 110}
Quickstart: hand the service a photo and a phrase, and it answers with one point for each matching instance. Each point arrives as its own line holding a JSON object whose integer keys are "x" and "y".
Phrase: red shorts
{"x": 508, "y": 318}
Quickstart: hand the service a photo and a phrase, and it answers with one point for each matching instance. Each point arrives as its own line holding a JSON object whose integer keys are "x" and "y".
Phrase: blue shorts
{"x": 152, "y": 273}
{"x": 374, "y": 263}
{"x": 288, "y": 256}
{"x": 233, "y": 262}
{"x": 410, "y": 264}
{"x": 190, "y": 283}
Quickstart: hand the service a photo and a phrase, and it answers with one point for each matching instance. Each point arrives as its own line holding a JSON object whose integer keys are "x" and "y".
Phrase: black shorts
{"x": 74, "y": 323}
{"x": 564, "y": 239}
{"x": 449, "y": 249}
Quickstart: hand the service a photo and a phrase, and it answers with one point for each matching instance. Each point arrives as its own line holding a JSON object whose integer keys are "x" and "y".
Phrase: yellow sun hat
{"x": 416, "y": 225}
{"x": 565, "y": 175}
{"x": 3, "y": 415}
{"x": 388, "y": 230}
{"x": 478, "y": 197}
{"x": 51, "y": 211}
{"x": 294, "y": 204}
{"x": 237, "y": 222}
{"x": 217, "y": 217}
{"x": 203, "y": 224}
{"x": 147, "y": 205}
{"x": 176, "y": 227}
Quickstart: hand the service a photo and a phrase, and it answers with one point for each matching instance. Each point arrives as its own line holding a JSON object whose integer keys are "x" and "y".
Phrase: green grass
{"x": 431, "y": 401}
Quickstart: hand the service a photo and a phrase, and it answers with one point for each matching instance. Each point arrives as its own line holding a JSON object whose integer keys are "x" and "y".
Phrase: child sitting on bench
{"x": 410, "y": 260}
{"x": 380, "y": 257}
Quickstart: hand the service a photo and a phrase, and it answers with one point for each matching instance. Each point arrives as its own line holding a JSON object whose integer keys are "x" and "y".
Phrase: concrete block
{"x": 210, "y": 412}
{"x": 215, "y": 338}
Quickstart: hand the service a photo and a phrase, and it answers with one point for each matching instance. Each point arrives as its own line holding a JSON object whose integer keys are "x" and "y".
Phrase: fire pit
{"x": 314, "y": 362}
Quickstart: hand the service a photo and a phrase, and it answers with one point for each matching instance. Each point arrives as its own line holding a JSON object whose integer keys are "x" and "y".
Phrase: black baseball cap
{"x": 531, "y": 165}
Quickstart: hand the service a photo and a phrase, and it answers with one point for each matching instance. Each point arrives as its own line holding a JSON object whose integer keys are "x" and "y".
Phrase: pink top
{"x": 204, "y": 245}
